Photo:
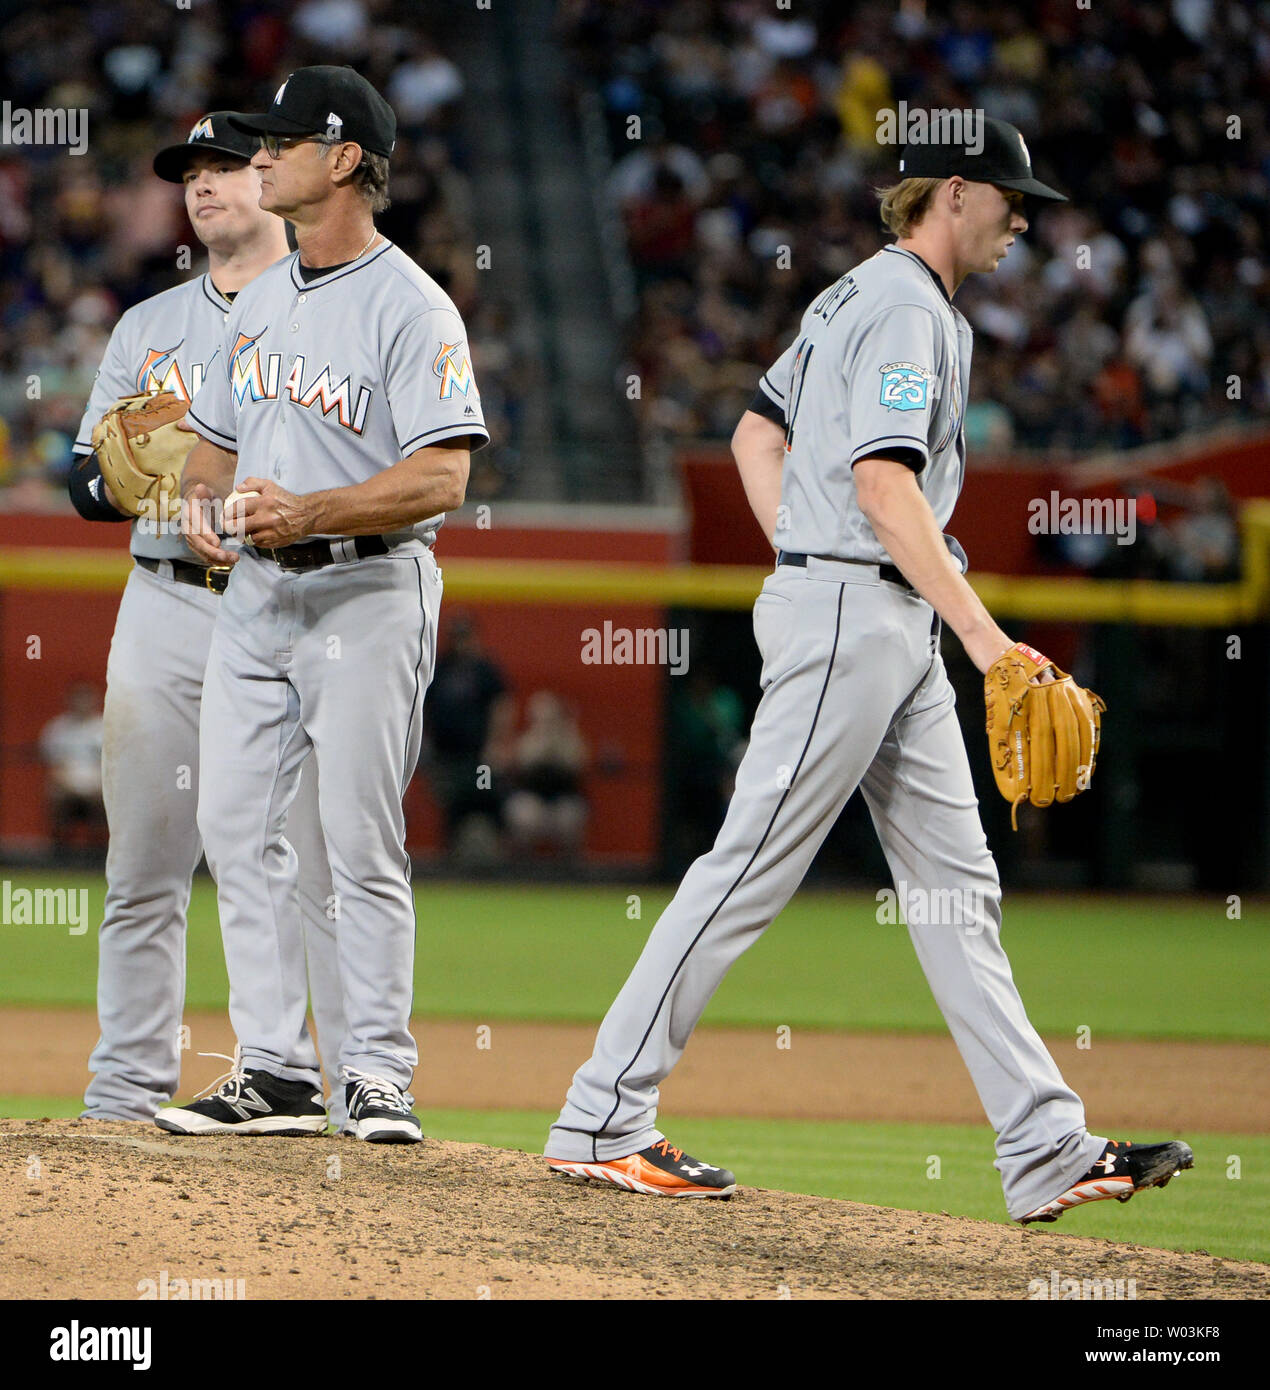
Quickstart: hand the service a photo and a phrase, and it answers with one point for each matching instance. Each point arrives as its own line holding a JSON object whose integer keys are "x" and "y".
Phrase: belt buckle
{"x": 217, "y": 569}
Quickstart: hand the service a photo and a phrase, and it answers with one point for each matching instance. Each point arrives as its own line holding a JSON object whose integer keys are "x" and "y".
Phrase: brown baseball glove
{"x": 141, "y": 453}
{"x": 1043, "y": 737}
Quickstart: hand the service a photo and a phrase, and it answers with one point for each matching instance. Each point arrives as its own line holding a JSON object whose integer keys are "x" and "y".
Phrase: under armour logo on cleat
{"x": 699, "y": 1169}
{"x": 1107, "y": 1163}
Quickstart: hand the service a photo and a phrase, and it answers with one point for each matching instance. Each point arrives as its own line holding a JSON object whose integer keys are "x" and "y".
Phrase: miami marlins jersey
{"x": 325, "y": 383}
{"x": 165, "y": 343}
{"x": 881, "y": 362}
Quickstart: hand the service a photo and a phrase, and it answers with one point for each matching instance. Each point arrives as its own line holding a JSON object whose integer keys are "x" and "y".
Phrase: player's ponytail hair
{"x": 904, "y": 204}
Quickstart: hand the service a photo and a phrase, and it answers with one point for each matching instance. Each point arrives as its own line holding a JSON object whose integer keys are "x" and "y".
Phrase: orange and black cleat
{"x": 661, "y": 1170}
{"x": 1123, "y": 1169}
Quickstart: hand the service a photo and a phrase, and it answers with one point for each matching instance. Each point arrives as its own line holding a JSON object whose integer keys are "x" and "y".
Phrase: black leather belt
{"x": 312, "y": 555}
{"x": 887, "y": 572}
{"x": 210, "y": 577}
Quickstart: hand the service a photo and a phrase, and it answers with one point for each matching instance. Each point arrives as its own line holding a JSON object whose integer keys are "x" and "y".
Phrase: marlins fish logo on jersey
{"x": 248, "y": 379}
{"x": 452, "y": 367}
{"x": 162, "y": 372}
{"x": 905, "y": 386}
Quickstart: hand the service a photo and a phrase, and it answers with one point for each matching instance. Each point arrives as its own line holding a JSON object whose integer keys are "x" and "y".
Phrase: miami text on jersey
{"x": 254, "y": 379}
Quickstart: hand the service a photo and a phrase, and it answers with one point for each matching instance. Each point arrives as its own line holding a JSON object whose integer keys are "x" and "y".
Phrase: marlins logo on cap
{"x": 212, "y": 133}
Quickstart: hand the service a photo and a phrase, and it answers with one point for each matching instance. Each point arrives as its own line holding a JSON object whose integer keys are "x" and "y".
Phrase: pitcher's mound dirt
{"x": 93, "y": 1210}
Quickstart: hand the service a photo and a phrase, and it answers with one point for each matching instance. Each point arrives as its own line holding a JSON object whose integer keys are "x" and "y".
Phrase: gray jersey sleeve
{"x": 432, "y": 393}
{"x": 775, "y": 382}
{"x": 211, "y": 411}
{"x": 114, "y": 379}
{"x": 892, "y": 381}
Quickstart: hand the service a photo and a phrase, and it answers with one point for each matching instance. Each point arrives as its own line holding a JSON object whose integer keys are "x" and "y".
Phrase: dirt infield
{"x": 104, "y": 1213}
{"x": 1129, "y": 1087}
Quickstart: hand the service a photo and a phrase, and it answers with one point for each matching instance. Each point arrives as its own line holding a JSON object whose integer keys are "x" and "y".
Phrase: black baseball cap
{"x": 210, "y": 132}
{"x": 334, "y": 101}
{"x": 1003, "y": 160}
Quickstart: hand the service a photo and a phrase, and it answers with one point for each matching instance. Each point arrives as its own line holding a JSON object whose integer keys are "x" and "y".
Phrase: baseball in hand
{"x": 232, "y": 518}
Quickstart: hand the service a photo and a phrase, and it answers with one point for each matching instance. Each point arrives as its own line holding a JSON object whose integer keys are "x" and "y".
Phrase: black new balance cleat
{"x": 249, "y": 1102}
{"x": 379, "y": 1111}
{"x": 661, "y": 1170}
{"x": 1123, "y": 1169}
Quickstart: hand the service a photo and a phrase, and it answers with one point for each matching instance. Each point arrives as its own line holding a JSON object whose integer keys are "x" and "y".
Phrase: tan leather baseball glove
{"x": 1043, "y": 737}
{"x": 141, "y": 453}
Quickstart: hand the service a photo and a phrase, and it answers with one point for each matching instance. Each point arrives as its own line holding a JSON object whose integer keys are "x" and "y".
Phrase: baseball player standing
{"x": 154, "y": 678}
{"x": 342, "y": 412}
{"x": 852, "y": 457}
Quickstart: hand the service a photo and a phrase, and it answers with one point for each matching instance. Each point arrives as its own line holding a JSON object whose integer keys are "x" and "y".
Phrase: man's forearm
{"x": 903, "y": 522}
{"x": 408, "y": 492}
{"x": 211, "y": 465}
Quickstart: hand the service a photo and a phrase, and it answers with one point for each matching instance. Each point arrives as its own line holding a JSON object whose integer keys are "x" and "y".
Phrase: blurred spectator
{"x": 468, "y": 717}
{"x": 70, "y": 748}
{"x": 1205, "y": 539}
{"x": 1116, "y": 321}
{"x": 547, "y": 810}
{"x": 84, "y": 238}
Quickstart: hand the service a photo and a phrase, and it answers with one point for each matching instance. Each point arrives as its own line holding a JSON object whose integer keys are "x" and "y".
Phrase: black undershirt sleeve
{"x": 764, "y": 405}
{"x": 910, "y": 458}
{"x": 87, "y": 492}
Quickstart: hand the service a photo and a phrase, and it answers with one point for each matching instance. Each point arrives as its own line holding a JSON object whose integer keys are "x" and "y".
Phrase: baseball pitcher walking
{"x": 154, "y": 677}
{"x": 341, "y": 412}
{"x": 852, "y": 456}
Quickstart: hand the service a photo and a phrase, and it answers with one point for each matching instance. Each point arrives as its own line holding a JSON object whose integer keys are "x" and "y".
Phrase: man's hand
{"x": 275, "y": 517}
{"x": 198, "y": 526}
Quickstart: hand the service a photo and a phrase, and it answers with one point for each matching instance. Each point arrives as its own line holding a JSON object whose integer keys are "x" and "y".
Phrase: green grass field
{"x": 888, "y": 1165}
{"x": 1158, "y": 967}
{"x": 1123, "y": 967}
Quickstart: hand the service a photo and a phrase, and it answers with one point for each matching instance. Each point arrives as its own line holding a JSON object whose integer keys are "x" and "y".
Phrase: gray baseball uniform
{"x": 324, "y": 383}
{"x": 150, "y": 761}
{"x": 854, "y": 694}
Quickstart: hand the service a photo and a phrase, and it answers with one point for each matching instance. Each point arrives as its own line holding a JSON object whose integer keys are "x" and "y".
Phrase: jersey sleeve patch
{"x": 905, "y": 386}
{"x": 452, "y": 369}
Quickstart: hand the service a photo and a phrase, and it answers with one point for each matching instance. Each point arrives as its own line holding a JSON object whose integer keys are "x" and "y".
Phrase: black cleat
{"x": 249, "y": 1102}
{"x": 379, "y": 1111}
{"x": 1123, "y": 1169}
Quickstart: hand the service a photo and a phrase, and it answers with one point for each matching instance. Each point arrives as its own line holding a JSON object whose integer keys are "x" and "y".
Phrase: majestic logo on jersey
{"x": 330, "y": 395}
{"x": 249, "y": 378}
{"x": 905, "y": 386}
{"x": 160, "y": 371}
{"x": 202, "y": 131}
{"x": 451, "y": 366}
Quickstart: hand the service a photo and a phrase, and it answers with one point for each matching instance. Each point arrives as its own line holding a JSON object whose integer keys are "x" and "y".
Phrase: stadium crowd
{"x": 1139, "y": 310}
{"x": 83, "y": 237}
